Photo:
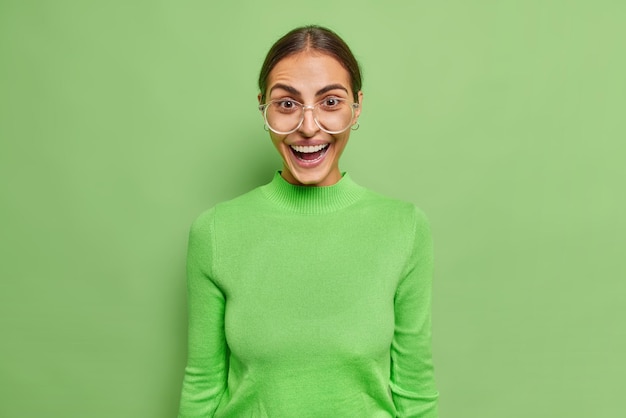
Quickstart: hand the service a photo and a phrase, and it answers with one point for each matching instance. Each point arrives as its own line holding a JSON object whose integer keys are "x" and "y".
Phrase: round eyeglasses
{"x": 332, "y": 115}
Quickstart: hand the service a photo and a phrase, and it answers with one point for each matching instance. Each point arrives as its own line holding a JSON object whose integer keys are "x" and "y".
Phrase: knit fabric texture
{"x": 309, "y": 302}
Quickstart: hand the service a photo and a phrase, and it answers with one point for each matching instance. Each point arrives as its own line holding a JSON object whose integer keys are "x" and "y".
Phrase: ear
{"x": 260, "y": 98}
{"x": 357, "y": 112}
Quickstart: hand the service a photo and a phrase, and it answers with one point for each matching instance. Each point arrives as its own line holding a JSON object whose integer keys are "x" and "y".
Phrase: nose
{"x": 309, "y": 127}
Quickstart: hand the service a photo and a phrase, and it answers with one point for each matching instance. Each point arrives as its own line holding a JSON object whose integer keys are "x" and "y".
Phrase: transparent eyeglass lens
{"x": 332, "y": 115}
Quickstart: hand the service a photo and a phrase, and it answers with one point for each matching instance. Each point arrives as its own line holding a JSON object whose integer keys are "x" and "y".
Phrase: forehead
{"x": 308, "y": 72}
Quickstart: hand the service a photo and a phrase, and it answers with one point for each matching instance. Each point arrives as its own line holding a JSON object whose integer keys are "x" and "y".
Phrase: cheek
{"x": 342, "y": 139}
{"x": 340, "y": 144}
{"x": 278, "y": 142}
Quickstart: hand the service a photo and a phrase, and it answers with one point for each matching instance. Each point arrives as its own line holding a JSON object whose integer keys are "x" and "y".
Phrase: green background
{"x": 120, "y": 121}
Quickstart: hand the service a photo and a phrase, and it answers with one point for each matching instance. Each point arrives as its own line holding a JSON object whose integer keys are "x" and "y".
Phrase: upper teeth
{"x": 309, "y": 148}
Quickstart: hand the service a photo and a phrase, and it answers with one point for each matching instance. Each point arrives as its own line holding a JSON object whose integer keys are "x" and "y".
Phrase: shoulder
{"x": 247, "y": 202}
{"x": 404, "y": 221}
{"x": 392, "y": 208}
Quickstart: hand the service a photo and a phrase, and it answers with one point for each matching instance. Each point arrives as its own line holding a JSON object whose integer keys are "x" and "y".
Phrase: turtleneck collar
{"x": 311, "y": 199}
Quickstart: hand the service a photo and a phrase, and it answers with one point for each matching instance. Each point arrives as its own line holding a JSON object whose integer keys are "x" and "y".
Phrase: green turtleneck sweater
{"x": 309, "y": 302}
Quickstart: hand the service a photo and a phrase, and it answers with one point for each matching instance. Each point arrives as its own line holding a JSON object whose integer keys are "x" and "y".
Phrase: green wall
{"x": 120, "y": 121}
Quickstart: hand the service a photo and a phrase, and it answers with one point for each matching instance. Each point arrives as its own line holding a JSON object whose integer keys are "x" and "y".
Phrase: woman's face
{"x": 309, "y": 77}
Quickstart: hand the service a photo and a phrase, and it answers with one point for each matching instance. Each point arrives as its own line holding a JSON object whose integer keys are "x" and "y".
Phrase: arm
{"x": 206, "y": 372}
{"x": 412, "y": 377}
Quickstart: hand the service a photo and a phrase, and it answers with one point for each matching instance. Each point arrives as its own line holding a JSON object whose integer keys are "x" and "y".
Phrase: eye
{"x": 286, "y": 105}
{"x": 331, "y": 103}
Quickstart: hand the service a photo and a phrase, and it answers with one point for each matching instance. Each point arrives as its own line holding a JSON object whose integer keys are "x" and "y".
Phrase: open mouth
{"x": 309, "y": 153}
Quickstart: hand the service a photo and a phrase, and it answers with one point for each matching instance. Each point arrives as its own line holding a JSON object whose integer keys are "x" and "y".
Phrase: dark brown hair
{"x": 315, "y": 38}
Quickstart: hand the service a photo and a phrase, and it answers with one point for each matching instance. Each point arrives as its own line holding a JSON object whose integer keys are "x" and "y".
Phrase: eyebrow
{"x": 296, "y": 92}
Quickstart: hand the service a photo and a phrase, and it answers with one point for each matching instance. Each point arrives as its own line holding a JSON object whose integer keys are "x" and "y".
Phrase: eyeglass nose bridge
{"x": 303, "y": 115}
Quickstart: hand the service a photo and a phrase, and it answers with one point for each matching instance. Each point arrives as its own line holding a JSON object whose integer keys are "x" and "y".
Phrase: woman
{"x": 310, "y": 296}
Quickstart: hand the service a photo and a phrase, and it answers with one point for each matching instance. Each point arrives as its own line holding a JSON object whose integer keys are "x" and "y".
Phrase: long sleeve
{"x": 412, "y": 376}
{"x": 205, "y": 377}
